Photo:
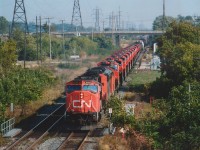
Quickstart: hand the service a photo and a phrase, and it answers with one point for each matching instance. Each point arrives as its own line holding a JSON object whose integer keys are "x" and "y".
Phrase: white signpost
{"x": 111, "y": 125}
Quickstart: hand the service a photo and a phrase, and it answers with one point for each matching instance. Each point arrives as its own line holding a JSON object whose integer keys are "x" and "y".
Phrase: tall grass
{"x": 141, "y": 80}
{"x": 69, "y": 66}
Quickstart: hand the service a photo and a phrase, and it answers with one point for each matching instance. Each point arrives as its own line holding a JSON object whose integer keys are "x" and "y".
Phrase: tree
{"x": 104, "y": 42}
{"x": 31, "y": 53}
{"x": 78, "y": 44}
{"x": 158, "y": 22}
{"x": 4, "y": 25}
{"x": 180, "y": 126}
{"x": 8, "y": 56}
{"x": 179, "y": 52}
{"x": 18, "y": 37}
{"x": 45, "y": 27}
{"x": 185, "y": 19}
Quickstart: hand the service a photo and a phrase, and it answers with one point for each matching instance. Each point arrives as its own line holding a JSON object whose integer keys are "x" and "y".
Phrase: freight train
{"x": 88, "y": 93}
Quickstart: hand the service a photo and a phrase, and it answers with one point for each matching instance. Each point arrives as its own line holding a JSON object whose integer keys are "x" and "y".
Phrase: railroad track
{"x": 75, "y": 140}
{"x": 37, "y": 133}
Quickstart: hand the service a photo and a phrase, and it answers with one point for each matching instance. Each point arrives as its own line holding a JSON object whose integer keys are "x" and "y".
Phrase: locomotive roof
{"x": 104, "y": 63}
{"x": 93, "y": 73}
{"x": 99, "y": 70}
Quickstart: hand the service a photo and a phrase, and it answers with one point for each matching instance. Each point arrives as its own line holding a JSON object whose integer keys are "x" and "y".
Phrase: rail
{"x": 75, "y": 140}
{"x": 34, "y": 128}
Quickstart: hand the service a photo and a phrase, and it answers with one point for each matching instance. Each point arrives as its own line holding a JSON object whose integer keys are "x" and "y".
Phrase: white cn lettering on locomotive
{"x": 76, "y": 104}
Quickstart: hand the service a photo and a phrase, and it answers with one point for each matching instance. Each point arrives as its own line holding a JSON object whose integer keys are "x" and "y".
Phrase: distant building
{"x": 155, "y": 63}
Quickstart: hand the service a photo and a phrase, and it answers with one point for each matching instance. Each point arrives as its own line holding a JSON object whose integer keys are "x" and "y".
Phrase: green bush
{"x": 69, "y": 66}
{"x": 119, "y": 115}
{"x": 21, "y": 86}
{"x": 177, "y": 127}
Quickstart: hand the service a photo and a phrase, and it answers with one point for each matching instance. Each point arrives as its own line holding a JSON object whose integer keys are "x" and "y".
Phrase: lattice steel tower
{"x": 76, "y": 15}
{"x": 19, "y": 15}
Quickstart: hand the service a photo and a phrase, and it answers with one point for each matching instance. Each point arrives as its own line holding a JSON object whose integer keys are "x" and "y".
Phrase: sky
{"x": 137, "y": 13}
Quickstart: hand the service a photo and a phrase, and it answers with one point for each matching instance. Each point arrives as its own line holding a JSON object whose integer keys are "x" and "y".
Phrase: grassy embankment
{"x": 138, "y": 83}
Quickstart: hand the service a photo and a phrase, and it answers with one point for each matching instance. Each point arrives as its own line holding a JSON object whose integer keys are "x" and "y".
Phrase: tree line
{"x": 17, "y": 85}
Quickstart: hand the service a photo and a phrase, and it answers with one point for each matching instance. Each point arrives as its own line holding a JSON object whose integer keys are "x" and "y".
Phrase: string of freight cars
{"x": 87, "y": 94}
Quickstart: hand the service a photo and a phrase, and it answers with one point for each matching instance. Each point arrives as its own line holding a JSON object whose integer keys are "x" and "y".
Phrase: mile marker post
{"x": 110, "y": 114}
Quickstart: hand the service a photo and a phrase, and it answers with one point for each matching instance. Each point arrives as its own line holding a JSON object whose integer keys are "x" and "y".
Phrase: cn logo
{"x": 81, "y": 104}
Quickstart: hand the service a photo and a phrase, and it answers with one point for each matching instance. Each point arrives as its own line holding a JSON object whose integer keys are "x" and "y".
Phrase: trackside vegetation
{"x": 19, "y": 86}
{"x": 173, "y": 122}
{"x": 179, "y": 87}
{"x": 22, "y": 86}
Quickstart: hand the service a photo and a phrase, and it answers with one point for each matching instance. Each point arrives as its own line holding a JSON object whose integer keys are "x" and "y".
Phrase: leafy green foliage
{"x": 161, "y": 87}
{"x": 8, "y": 56}
{"x": 100, "y": 46}
{"x": 3, "y": 25}
{"x": 23, "y": 85}
{"x": 69, "y": 66}
{"x": 158, "y": 22}
{"x": 74, "y": 46}
{"x": 103, "y": 42}
{"x": 179, "y": 50}
{"x": 78, "y": 44}
{"x": 180, "y": 53}
{"x": 149, "y": 125}
{"x": 56, "y": 47}
{"x": 119, "y": 114}
{"x": 174, "y": 123}
{"x": 185, "y": 19}
{"x": 31, "y": 53}
{"x": 179, "y": 127}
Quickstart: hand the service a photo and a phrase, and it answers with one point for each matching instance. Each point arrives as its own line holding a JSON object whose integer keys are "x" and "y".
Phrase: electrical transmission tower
{"x": 19, "y": 16}
{"x": 76, "y": 15}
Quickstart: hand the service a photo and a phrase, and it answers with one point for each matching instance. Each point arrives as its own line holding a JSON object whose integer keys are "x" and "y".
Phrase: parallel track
{"x": 32, "y": 137}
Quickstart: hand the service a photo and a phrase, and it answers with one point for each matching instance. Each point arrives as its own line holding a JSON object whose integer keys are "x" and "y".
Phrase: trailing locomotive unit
{"x": 87, "y": 94}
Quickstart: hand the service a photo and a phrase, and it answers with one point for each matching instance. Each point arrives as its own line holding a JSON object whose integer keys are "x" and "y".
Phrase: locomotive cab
{"x": 83, "y": 100}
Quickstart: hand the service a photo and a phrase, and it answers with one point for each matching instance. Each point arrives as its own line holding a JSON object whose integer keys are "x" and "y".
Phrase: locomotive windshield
{"x": 71, "y": 88}
{"x": 92, "y": 88}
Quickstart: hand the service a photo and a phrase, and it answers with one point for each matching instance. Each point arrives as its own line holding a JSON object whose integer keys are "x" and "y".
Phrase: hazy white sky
{"x": 133, "y": 12}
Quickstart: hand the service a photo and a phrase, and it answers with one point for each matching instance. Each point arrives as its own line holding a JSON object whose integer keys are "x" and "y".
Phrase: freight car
{"x": 87, "y": 94}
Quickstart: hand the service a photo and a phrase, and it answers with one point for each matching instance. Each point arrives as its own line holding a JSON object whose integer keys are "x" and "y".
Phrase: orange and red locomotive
{"x": 87, "y": 94}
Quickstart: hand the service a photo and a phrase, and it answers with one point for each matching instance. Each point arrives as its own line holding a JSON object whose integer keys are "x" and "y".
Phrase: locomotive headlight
{"x": 81, "y": 95}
